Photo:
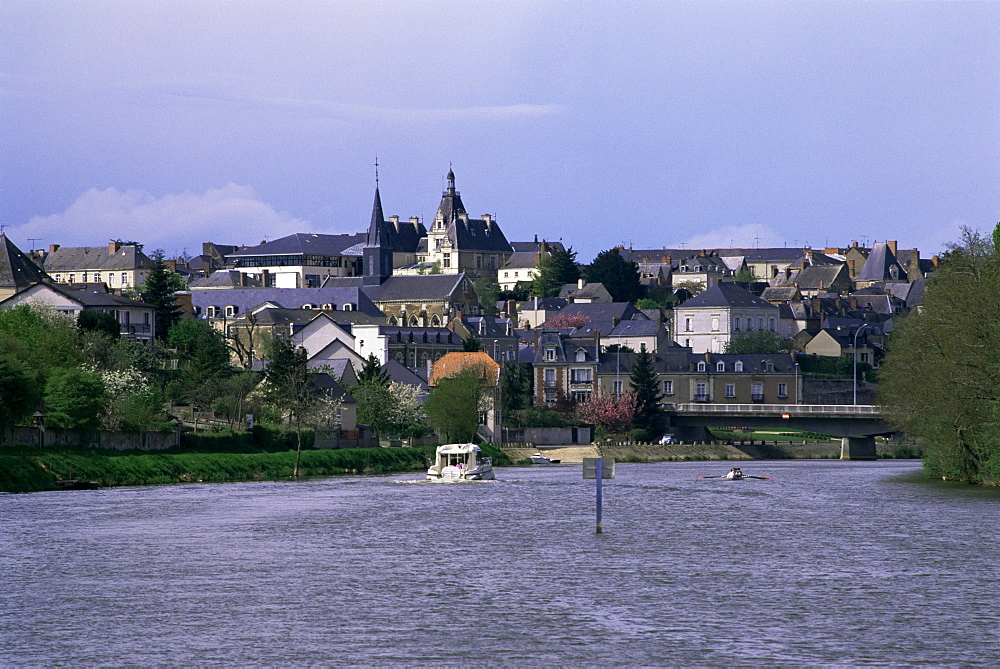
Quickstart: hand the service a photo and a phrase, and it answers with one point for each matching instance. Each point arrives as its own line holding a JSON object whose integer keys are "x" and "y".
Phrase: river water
{"x": 830, "y": 563}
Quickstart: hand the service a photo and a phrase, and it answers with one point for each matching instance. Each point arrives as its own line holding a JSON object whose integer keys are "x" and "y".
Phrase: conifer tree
{"x": 159, "y": 289}
{"x": 644, "y": 384}
{"x": 619, "y": 276}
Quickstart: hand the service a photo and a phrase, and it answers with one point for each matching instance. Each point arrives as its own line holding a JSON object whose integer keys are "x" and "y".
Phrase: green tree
{"x": 939, "y": 381}
{"x": 745, "y": 275}
{"x": 515, "y": 386}
{"x": 288, "y": 387}
{"x": 159, "y": 290}
{"x": 75, "y": 398}
{"x": 371, "y": 373}
{"x": 643, "y": 382}
{"x": 99, "y": 321}
{"x": 765, "y": 342}
{"x": 19, "y": 394}
{"x": 488, "y": 292}
{"x": 41, "y": 338}
{"x": 619, "y": 276}
{"x": 556, "y": 268}
{"x": 471, "y": 344}
{"x": 204, "y": 362}
{"x": 454, "y": 405}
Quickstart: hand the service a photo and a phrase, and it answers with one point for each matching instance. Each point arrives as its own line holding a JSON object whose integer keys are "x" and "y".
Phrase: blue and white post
{"x": 598, "y": 469}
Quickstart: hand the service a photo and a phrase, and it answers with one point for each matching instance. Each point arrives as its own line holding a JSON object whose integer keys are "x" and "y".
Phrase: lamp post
{"x": 856, "y": 333}
{"x": 797, "y": 400}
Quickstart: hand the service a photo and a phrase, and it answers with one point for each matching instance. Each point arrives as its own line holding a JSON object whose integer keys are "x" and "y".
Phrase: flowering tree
{"x": 563, "y": 320}
{"x": 614, "y": 414}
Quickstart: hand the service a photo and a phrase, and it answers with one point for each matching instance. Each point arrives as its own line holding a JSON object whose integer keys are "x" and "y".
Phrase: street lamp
{"x": 797, "y": 383}
{"x": 856, "y": 333}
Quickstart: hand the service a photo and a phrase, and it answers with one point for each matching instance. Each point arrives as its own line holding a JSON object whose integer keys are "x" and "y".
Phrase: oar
{"x": 710, "y": 477}
{"x": 762, "y": 478}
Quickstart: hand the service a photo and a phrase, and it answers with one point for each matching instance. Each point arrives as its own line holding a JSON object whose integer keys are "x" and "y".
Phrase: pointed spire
{"x": 377, "y": 234}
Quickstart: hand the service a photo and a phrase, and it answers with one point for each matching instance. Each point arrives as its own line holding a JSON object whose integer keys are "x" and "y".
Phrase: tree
{"x": 288, "y": 387}
{"x": 612, "y": 414}
{"x": 75, "y": 398}
{"x": 41, "y": 338}
{"x": 515, "y": 386}
{"x": 471, "y": 344}
{"x": 205, "y": 361}
{"x": 939, "y": 382}
{"x": 556, "y": 268}
{"x": 643, "y": 382}
{"x": 619, "y": 276}
{"x": 564, "y": 320}
{"x": 19, "y": 394}
{"x": 371, "y": 373}
{"x": 159, "y": 289}
{"x": 765, "y": 342}
{"x": 99, "y": 321}
{"x": 454, "y": 405}
{"x": 488, "y": 292}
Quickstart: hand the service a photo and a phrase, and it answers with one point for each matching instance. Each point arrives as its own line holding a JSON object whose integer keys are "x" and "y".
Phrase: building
{"x": 17, "y": 271}
{"x": 458, "y": 244}
{"x": 137, "y": 319}
{"x": 300, "y": 260}
{"x": 564, "y": 366}
{"x": 118, "y": 265}
{"x": 708, "y": 321}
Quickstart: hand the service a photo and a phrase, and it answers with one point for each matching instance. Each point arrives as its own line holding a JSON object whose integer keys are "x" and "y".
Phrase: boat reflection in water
{"x": 460, "y": 462}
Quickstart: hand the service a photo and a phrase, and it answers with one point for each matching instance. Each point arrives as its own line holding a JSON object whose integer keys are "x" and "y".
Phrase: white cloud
{"x": 737, "y": 236}
{"x": 229, "y": 215}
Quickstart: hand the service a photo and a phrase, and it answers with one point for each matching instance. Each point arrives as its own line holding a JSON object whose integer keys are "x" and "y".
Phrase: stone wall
{"x": 55, "y": 436}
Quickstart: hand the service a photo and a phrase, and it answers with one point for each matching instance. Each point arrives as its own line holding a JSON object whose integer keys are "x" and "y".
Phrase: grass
{"x": 29, "y": 470}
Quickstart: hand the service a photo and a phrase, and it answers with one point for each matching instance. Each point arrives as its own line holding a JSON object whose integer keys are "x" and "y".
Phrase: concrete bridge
{"x": 856, "y": 424}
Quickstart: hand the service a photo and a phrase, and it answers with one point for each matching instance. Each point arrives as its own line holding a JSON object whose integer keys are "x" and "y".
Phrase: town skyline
{"x": 682, "y": 126}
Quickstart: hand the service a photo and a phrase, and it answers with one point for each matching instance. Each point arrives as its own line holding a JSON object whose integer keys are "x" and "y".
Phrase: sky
{"x": 643, "y": 124}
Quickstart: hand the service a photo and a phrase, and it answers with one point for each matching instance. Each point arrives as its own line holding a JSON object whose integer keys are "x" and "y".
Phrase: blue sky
{"x": 650, "y": 124}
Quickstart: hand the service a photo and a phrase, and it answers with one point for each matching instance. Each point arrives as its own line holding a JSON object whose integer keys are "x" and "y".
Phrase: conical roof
{"x": 16, "y": 269}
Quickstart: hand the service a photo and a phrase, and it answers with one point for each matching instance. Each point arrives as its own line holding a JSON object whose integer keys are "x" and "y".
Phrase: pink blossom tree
{"x": 614, "y": 414}
{"x": 563, "y": 320}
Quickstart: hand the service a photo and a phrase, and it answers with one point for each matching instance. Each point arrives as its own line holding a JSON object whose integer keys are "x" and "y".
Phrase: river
{"x": 830, "y": 563}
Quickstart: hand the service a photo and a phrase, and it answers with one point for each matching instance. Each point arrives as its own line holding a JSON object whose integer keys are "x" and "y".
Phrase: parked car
{"x": 667, "y": 439}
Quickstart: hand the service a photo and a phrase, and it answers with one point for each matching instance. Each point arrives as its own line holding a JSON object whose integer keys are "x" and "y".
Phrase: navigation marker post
{"x": 599, "y": 469}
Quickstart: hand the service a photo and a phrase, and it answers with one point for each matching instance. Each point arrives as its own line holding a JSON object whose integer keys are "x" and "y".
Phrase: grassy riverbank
{"x": 31, "y": 470}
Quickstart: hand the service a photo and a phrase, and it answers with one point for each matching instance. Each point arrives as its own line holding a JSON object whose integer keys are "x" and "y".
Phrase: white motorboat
{"x": 539, "y": 459}
{"x": 460, "y": 462}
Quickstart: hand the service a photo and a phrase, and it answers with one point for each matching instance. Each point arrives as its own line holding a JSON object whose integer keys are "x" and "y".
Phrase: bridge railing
{"x": 791, "y": 409}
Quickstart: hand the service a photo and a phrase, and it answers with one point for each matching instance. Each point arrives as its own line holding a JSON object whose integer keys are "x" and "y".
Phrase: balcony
{"x": 757, "y": 397}
{"x": 701, "y": 397}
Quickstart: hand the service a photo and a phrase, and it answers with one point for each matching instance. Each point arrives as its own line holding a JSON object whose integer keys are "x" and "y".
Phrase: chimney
{"x": 512, "y": 310}
{"x": 934, "y": 260}
{"x": 580, "y": 283}
{"x": 854, "y": 244}
{"x": 892, "y": 247}
{"x": 55, "y": 247}
{"x": 113, "y": 248}
{"x": 488, "y": 219}
{"x": 264, "y": 276}
{"x": 821, "y": 284}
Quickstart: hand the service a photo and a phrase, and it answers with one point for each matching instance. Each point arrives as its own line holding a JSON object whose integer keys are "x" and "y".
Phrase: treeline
{"x": 940, "y": 383}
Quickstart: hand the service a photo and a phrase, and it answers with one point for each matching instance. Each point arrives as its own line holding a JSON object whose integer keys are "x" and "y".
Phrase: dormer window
{"x": 231, "y": 311}
{"x": 738, "y": 367}
{"x": 701, "y": 366}
{"x": 210, "y": 311}
{"x": 550, "y": 354}
{"x": 328, "y": 307}
{"x": 348, "y": 306}
{"x": 720, "y": 366}
{"x": 581, "y": 355}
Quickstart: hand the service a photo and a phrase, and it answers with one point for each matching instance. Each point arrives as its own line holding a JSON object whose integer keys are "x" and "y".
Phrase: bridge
{"x": 856, "y": 424}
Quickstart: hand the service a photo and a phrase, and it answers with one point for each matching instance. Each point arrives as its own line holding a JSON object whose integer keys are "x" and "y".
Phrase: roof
{"x": 781, "y": 293}
{"x": 127, "y": 257}
{"x": 227, "y": 278}
{"x": 399, "y": 373}
{"x": 521, "y": 260}
{"x": 16, "y": 269}
{"x": 532, "y": 247}
{"x": 593, "y": 291}
{"x": 424, "y": 288}
{"x": 881, "y": 265}
{"x": 726, "y": 295}
{"x": 303, "y": 244}
{"x": 819, "y": 277}
{"x": 245, "y": 299}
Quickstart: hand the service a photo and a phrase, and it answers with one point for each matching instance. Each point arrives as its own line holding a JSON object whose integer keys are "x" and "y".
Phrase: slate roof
{"x": 635, "y": 328}
{"x": 725, "y": 295}
{"x": 592, "y": 291}
{"x": 535, "y": 246}
{"x": 818, "y": 277}
{"x": 781, "y": 293}
{"x": 16, "y": 269}
{"x": 543, "y": 303}
{"x": 397, "y": 372}
{"x": 426, "y": 288}
{"x": 303, "y": 244}
{"x": 245, "y": 299}
{"x": 521, "y": 260}
{"x": 97, "y": 296}
{"x": 881, "y": 265}
{"x": 69, "y": 259}
{"x": 227, "y": 278}
{"x": 324, "y": 382}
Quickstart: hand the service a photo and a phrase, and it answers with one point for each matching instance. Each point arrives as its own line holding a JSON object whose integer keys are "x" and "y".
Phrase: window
{"x": 701, "y": 366}
{"x": 506, "y": 274}
{"x": 304, "y": 306}
{"x": 618, "y": 388}
{"x": 782, "y": 390}
{"x": 550, "y": 377}
{"x": 864, "y": 357}
{"x": 210, "y": 312}
{"x": 72, "y": 278}
{"x": 581, "y": 355}
{"x": 124, "y": 278}
{"x": 348, "y": 306}
{"x": 58, "y": 278}
{"x": 687, "y": 324}
{"x": 757, "y": 390}
{"x": 668, "y": 387}
{"x": 720, "y": 366}
{"x": 97, "y": 277}
{"x": 83, "y": 278}
{"x": 581, "y": 396}
{"x": 447, "y": 261}
{"x": 581, "y": 375}
{"x": 715, "y": 323}
{"x": 738, "y": 366}
{"x": 550, "y": 354}
{"x": 772, "y": 325}
{"x": 760, "y": 323}
{"x": 231, "y": 311}
{"x": 328, "y": 307}
{"x": 730, "y": 390}
{"x": 479, "y": 262}
{"x": 736, "y": 324}
{"x": 701, "y": 392}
